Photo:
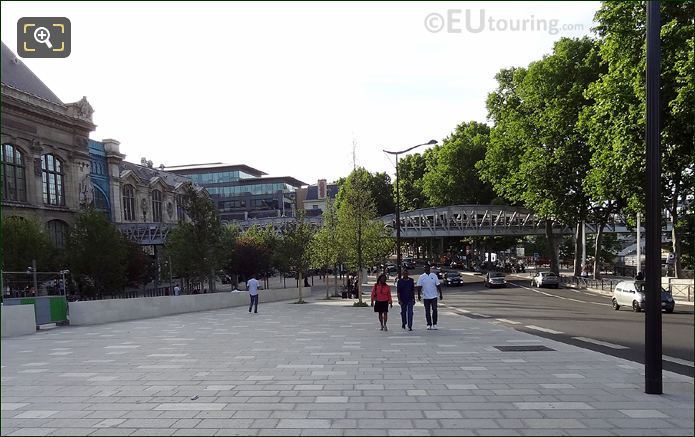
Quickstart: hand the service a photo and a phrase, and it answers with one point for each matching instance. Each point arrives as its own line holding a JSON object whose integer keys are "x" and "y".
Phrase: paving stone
{"x": 322, "y": 369}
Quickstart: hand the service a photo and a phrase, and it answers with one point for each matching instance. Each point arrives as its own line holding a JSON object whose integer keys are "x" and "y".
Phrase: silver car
{"x": 545, "y": 279}
{"x": 495, "y": 279}
{"x": 632, "y": 294}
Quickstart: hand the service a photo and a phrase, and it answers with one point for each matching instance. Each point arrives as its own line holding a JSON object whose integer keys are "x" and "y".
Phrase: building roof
{"x": 147, "y": 173}
{"x": 289, "y": 180}
{"x": 204, "y": 168}
{"x": 15, "y": 74}
{"x": 313, "y": 192}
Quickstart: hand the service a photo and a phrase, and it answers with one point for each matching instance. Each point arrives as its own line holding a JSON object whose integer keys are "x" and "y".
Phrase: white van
{"x": 631, "y": 293}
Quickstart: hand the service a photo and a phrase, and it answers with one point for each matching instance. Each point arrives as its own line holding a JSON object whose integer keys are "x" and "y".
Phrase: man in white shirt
{"x": 252, "y": 287}
{"x": 428, "y": 285}
{"x": 177, "y": 290}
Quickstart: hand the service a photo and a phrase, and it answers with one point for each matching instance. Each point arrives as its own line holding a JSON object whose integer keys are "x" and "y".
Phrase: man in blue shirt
{"x": 405, "y": 288}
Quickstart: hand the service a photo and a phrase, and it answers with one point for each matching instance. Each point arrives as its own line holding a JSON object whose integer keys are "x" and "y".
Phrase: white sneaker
{"x": 434, "y": 327}
{"x": 429, "y": 327}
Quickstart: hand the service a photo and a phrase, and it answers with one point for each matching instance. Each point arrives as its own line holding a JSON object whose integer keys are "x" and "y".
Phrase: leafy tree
{"x": 615, "y": 122}
{"x": 267, "y": 240}
{"x": 97, "y": 254}
{"x": 411, "y": 171}
{"x": 196, "y": 247}
{"x": 452, "y": 178}
{"x": 140, "y": 268}
{"x": 250, "y": 257}
{"x": 24, "y": 240}
{"x": 325, "y": 246}
{"x": 294, "y": 248}
{"x": 357, "y": 227}
{"x": 382, "y": 192}
{"x": 537, "y": 156}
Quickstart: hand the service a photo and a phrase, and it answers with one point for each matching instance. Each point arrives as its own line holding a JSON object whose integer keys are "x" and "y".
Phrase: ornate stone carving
{"x": 86, "y": 190}
{"x": 81, "y": 109}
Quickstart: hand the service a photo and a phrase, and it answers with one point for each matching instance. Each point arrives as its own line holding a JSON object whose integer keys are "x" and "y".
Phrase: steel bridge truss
{"x": 483, "y": 220}
{"x": 145, "y": 233}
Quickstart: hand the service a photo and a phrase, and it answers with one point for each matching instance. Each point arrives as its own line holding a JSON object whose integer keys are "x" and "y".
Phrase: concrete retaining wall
{"x": 115, "y": 310}
{"x": 18, "y": 320}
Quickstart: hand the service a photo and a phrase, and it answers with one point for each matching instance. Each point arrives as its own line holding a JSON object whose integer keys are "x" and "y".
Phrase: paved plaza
{"x": 323, "y": 368}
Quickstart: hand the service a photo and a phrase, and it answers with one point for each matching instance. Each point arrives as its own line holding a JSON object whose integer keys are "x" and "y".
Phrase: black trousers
{"x": 254, "y": 303}
{"x": 431, "y": 304}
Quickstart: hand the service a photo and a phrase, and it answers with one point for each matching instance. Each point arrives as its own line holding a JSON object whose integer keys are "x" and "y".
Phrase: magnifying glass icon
{"x": 43, "y": 36}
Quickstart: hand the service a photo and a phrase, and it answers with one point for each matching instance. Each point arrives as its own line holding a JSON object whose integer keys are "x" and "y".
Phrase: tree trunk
{"x": 675, "y": 237}
{"x": 578, "y": 236}
{"x": 335, "y": 275}
{"x": 597, "y": 250}
{"x": 325, "y": 279}
{"x": 359, "y": 262}
{"x": 300, "y": 286}
{"x": 554, "y": 255}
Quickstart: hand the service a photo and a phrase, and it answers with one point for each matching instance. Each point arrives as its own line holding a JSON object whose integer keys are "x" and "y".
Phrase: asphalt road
{"x": 582, "y": 319}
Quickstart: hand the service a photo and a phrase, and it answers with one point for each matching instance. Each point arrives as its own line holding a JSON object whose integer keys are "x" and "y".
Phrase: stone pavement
{"x": 323, "y": 368}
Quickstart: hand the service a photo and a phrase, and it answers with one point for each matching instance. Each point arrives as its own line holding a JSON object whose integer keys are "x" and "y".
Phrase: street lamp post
{"x": 398, "y": 202}
{"x": 652, "y": 319}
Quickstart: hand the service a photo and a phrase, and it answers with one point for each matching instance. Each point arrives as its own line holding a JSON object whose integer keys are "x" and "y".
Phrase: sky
{"x": 288, "y": 88}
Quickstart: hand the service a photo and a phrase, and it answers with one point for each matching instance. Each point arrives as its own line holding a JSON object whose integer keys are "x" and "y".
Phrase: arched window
{"x": 128, "y": 203}
{"x": 100, "y": 201}
{"x": 13, "y": 174}
{"x": 180, "y": 212}
{"x": 156, "y": 206}
{"x": 52, "y": 177}
{"x": 58, "y": 232}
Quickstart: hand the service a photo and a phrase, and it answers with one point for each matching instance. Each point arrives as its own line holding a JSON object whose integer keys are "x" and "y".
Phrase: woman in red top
{"x": 381, "y": 293}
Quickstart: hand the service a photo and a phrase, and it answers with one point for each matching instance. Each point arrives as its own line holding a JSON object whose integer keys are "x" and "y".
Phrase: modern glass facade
{"x": 240, "y": 193}
{"x": 249, "y": 189}
{"x": 216, "y": 177}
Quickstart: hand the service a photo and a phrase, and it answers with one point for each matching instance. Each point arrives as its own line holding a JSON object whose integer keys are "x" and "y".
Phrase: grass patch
{"x": 360, "y": 304}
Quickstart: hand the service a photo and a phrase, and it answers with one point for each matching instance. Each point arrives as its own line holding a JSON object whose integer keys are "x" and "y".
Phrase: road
{"x": 579, "y": 318}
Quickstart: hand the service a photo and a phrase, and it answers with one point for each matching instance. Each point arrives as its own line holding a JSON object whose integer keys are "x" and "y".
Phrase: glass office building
{"x": 241, "y": 192}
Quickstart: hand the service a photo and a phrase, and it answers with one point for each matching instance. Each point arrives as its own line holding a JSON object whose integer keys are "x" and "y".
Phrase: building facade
{"x": 45, "y": 155}
{"x": 314, "y": 201}
{"x": 241, "y": 192}
{"x": 51, "y": 169}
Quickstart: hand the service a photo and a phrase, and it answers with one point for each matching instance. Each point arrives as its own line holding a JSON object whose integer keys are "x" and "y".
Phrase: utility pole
{"x": 652, "y": 324}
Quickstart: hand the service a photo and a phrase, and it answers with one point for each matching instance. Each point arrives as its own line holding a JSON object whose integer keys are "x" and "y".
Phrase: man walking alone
{"x": 405, "y": 288}
{"x": 428, "y": 285}
{"x": 252, "y": 287}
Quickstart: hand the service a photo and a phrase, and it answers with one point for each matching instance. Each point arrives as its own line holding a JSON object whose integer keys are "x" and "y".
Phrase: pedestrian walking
{"x": 405, "y": 289}
{"x": 427, "y": 286}
{"x": 252, "y": 287}
{"x": 381, "y": 293}
{"x": 177, "y": 290}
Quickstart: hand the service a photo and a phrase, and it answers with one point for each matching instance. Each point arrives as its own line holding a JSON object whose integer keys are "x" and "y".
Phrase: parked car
{"x": 452, "y": 278}
{"x": 391, "y": 268}
{"x": 495, "y": 279}
{"x": 408, "y": 264}
{"x": 545, "y": 279}
{"x": 632, "y": 294}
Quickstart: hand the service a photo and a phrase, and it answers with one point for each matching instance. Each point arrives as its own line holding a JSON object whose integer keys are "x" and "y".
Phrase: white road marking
{"x": 600, "y": 343}
{"x": 538, "y": 328}
{"x": 562, "y": 297}
{"x": 511, "y": 322}
{"x": 678, "y": 361}
{"x": 481, "y": 315}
